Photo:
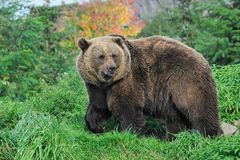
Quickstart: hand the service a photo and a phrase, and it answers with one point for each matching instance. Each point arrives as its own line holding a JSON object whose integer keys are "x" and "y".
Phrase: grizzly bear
{"x": 155, "y": 76}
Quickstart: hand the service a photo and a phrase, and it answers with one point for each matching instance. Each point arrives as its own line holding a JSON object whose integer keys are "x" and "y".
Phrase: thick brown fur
{"x": 155, "y": 76}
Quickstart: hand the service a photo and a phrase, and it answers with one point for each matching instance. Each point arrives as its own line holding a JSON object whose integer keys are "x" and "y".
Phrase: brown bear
{"x": 155, "y": 76}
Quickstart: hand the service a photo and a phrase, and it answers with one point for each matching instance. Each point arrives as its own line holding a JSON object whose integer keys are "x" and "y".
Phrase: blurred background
{"x": 38, "y": 37}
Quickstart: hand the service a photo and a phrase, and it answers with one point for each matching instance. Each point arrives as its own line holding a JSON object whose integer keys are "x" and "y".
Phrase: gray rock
{"x": 150, "y": 8}
{"x": 228, "y": 129}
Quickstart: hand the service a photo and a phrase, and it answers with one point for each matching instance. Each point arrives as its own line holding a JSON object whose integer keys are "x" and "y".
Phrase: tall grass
{"x": 51, "y": 126}
{"x": 228, "y": 85}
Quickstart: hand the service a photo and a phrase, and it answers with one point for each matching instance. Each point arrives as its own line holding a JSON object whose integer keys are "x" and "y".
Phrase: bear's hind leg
{"x": 206, "y": 125}
{"x": 201, "y": 111}
{"x": 175, "y": 123}
{"x": 197, "y": 100}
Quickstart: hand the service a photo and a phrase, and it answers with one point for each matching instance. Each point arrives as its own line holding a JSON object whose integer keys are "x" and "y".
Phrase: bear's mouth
{"x": 107, "y": 76}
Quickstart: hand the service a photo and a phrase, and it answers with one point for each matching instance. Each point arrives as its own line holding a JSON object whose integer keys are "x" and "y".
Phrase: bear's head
{"x": 104, "y": 60}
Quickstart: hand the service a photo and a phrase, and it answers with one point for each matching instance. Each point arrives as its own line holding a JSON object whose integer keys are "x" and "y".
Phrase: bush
{"x": 62, "y": 100}
{"x": 31, "y": 49}
{"x": 66, "y": 99}
{"x": 212, "y": 28}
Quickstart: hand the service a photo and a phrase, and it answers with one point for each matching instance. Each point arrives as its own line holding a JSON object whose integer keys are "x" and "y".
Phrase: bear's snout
{"x": 109, "y": 72}
{"x": 112, "y": 69}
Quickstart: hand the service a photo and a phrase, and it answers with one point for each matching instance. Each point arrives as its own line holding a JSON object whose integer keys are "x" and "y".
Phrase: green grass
{"x": 228, "y": 84}
{"x": 51, "y": 125}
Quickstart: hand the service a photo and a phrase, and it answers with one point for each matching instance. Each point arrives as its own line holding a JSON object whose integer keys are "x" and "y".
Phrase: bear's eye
{"x": 101, "y": 57}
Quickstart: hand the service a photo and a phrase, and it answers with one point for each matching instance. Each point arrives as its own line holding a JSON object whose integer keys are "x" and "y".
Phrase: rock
{"x": 150, "y": 8}
{"x": 237, "y": 123}
{"x": 228, "y": 129}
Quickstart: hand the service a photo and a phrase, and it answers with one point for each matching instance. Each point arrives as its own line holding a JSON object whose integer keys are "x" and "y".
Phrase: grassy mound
{"x": 50, "y": 125}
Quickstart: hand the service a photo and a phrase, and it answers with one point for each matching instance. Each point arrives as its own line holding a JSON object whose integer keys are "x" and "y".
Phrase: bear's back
{"x": 164, "y": 54}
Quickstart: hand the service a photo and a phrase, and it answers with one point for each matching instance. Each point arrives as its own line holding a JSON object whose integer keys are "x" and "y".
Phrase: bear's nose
{"x": 112, "y": 69}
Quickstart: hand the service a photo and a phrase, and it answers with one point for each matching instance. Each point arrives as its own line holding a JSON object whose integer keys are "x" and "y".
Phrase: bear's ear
{"x": 83, "y": 44}
{"x": 118, "y": 40}
{"x": 121, "y": 41}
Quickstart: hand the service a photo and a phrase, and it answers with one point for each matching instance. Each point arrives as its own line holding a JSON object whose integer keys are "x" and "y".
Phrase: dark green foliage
{"x": 212, "y": 28}
{"x": 31, "y": 49}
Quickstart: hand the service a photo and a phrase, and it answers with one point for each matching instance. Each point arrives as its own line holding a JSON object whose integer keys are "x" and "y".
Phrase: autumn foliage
{"x": 98, "y": 18}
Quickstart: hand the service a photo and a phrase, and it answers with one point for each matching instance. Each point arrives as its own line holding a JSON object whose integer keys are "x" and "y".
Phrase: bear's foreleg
{"x": 97, "y": 109}
{"x": 126, "y": 100}
{"x": 94, "y": 117}
{"x": 129, "y": 117}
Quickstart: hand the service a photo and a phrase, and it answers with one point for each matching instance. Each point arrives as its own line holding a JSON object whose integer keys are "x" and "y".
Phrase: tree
{"x": 30, "y": 49}
{"x": 98, "y": 18}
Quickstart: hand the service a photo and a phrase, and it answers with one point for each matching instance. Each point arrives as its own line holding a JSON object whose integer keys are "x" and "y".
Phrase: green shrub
{"x": 65, "y": 99}
{"x": 31, "y": 49}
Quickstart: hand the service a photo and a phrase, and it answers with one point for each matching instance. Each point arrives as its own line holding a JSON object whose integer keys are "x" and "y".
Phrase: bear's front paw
{"x": 97, "y": 129}
{"x": 94, "y": 127}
